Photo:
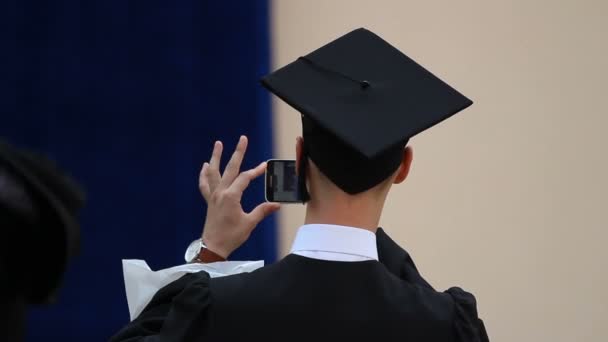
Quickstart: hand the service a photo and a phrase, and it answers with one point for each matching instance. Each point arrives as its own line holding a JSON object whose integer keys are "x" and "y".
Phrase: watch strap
{"x": 206, "y": 256}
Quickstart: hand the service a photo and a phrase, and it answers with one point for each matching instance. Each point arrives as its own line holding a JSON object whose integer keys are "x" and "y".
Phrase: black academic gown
{"x": 304, "y": 299}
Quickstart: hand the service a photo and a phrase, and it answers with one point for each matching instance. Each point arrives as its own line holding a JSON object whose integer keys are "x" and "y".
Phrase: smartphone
{"x": 282, "y": 181}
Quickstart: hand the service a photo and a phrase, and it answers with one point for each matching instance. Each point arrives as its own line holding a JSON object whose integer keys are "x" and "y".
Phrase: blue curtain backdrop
{"x": 129, "y": 97}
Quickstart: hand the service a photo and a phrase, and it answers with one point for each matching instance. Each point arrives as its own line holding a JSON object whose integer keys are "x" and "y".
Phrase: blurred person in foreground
{"x": 345, "y": 279}
{"x": 39, "y": 205}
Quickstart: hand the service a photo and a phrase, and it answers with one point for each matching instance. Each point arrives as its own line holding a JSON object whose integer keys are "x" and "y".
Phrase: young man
{"x": 345, "y": 279}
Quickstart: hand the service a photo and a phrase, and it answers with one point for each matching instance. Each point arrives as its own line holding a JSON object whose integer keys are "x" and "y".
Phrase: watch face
{"x": 193, "y": 250}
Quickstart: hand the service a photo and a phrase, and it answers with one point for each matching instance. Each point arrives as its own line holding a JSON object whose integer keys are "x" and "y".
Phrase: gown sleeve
{"x": 180, "y": 311}
{"x": 467, "y": 326}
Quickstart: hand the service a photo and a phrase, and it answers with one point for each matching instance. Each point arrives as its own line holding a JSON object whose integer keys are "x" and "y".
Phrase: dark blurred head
{"x": 40, "y": 233}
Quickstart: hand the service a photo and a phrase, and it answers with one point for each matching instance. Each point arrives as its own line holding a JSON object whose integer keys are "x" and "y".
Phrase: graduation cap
{"x": 39, "y": 206}
{"x": 361, "y": 100}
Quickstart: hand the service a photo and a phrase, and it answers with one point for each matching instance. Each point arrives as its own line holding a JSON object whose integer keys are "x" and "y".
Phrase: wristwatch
{"x": 198, "y": 252}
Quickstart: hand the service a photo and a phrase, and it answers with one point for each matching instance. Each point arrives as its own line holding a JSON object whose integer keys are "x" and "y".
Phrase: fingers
{"x": 261, "y": 211}
{"x": 203, "y": 181}
{"x": 242, "y": 181}
{"x": 234, "y": 165}
{"x": 213, "y": 171}
{"x": 216, "y": 155}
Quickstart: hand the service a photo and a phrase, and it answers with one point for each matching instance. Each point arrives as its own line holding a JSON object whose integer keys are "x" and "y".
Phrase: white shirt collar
{"x": 335, "y": 243}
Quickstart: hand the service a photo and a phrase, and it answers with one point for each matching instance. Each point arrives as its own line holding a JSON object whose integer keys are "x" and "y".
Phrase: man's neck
{"x": 352, "y": 214}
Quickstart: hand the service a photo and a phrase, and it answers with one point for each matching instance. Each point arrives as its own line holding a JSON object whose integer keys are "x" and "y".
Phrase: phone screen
{"x": 282, "y": 181}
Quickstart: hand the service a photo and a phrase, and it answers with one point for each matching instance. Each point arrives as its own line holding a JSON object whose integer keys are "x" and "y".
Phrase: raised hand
{"x": 227, "y": 226}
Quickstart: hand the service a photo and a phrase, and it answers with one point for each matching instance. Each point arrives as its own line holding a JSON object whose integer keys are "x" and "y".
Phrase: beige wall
{"x": 509, "y": 198}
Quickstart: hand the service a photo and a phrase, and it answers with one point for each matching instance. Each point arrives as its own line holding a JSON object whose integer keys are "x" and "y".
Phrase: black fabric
{"x": 301, "y": 299}
{"x": 398, "y": 261}
{"x": 362, "y": 99}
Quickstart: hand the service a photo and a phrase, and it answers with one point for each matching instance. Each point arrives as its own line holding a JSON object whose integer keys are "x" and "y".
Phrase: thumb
{"x": 263, "y": 210}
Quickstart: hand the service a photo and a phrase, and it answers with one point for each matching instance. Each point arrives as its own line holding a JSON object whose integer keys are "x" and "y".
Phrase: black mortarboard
{"x": 361, "y": 100}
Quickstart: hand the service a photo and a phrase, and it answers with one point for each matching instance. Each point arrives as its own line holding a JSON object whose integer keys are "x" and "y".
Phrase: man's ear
{"x": 406, "y": 164}
{"x": 299, "y": 149}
